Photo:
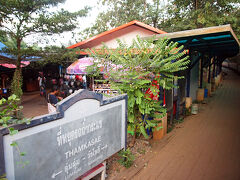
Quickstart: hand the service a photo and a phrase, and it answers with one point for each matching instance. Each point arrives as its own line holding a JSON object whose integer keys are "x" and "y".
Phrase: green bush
{"x": 134, "y": 69}
{"x": 10, "y": 115}
{"x": 126, "y": 158}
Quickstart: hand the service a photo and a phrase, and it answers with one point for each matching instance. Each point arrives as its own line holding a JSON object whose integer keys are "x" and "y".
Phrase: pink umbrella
{"x": 80, "y": 66}
{"x": 23, "y": 64}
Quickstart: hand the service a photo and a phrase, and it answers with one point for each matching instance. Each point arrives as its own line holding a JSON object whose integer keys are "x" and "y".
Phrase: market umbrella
{"x": 80, "y": 66}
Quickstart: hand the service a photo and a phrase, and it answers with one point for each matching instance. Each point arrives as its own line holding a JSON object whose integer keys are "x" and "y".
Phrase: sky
{"x": 64, "y": 38}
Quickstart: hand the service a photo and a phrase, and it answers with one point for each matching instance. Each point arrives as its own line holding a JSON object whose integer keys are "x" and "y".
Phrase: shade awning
{"x": 80, "y": 66}
{"x": 219, "y": 40}
{"x": 23, "y": 64}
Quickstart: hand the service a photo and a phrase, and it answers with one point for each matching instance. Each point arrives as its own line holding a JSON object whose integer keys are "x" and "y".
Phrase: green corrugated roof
{"x": 220, "y": 40}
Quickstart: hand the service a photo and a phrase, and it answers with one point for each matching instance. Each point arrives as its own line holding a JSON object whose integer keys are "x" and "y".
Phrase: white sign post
{"x": 85, "y": 131}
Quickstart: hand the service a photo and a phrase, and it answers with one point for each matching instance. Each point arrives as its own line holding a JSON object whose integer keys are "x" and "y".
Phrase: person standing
{"x": 41, "y": 81}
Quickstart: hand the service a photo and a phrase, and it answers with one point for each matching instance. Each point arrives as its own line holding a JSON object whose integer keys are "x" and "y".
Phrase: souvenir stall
{"x": 4, "y": 85}
{"x": 6, "y": 74}
{"x": 78, "y": 68}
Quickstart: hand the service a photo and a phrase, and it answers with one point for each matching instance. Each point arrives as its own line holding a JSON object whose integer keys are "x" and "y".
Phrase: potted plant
{"x": 194, "y": 107}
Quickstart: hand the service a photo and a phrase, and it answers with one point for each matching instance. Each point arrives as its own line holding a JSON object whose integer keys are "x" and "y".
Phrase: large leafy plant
{"x": 133, "y": 70}
{"x": 10, "y": 114}
{"x": 20, "y": 19}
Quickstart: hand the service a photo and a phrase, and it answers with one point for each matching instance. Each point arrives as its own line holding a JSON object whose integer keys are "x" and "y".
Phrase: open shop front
{"x": 208, "y": 48}
{"x": 77, "y": 71}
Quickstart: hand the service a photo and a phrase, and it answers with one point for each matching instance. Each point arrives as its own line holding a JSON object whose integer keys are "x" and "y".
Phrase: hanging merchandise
{"x": 80, "y": 66}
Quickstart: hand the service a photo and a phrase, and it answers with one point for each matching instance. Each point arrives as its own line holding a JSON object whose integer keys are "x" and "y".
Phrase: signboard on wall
{"x": 84, "y": 132}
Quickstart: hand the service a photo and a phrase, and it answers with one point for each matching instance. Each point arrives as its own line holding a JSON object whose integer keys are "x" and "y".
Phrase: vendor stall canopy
{"x": 218, "y": 40}
{"x": 80, "y": 66}
{"x": 4, "y": 57}
{"x": 8, "y": 60}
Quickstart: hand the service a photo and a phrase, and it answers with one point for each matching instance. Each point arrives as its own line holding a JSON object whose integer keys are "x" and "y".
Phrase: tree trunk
{"x": 16, "y": 86}
{"x": 195, "y": 5}
{"x": 135, "y": 128}
{"x": 195, "y": 8}
{"x": 18, "y": 63}
{"x": 155, "y": 20}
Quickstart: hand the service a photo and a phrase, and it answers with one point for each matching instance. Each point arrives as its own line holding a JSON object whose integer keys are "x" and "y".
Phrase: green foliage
{"x": 55, "y": 55}
{"x": 123, "y": 11}
{"x": 191, "y": 14}
{"x": 169, "y": 16}
{"x": 188, "y": 111}
{"x": 9, "y": 115}
{"x": 19, "y": 19}
{"x": 11, "y": 42}
{"x": 126, "y": 158}
{"x": 3, "y": 177}
{"x": 16, "y": 85}
{"x": 132, "y": 70}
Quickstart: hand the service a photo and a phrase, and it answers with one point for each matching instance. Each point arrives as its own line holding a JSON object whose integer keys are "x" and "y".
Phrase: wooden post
{"x": 216, "y": 68}
{"x": 178, "y": 102}
{"x": 93, "y": 86}
{"x": 214, "y": 61}
{"x": 209, "y": 70}
{"x": 189, "y": 75}
{"x": 201, "y": 71}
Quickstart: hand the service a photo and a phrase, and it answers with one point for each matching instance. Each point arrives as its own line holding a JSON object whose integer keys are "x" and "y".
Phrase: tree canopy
{"x": 191, "y": 14}
{"x": 173, "y": 16}
{"x": 21, "y": 18}
{"x": 123, "y": 11}
{"x": 139, "y": 71}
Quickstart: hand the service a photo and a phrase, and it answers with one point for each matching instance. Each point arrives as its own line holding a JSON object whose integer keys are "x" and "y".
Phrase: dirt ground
{"x": 205, "y": 146}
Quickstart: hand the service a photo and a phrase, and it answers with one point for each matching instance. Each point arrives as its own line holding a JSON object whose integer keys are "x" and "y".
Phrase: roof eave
{"x": 135, "y": 22}
{"x": 198, "y": 32}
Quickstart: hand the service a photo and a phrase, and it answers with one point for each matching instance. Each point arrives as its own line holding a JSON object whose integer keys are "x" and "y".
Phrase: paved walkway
{"x": 208, "y": 147}
{"x": 33, "y": 104}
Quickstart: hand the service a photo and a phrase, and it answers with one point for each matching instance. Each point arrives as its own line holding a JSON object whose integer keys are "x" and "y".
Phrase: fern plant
{"x": 132, "y": 70}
